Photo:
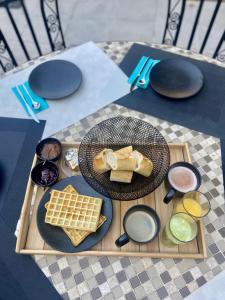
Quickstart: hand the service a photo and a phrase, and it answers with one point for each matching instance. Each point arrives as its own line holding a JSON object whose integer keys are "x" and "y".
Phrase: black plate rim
{"x": 65, "y": 94}
{"x": 177, "y": 97}
{"x": 108, "y": 222}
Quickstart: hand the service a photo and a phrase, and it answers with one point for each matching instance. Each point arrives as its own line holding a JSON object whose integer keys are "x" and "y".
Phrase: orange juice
{"x": 192, "y": 207}
{"x": 188, "y": 205}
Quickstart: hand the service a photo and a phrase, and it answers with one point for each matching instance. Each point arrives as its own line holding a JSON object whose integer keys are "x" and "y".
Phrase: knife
{"x": 30, "y": 111}
{"x": 138, "y": 75}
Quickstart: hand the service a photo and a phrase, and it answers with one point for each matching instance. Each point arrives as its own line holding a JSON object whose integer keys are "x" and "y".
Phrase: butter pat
{"x": 71, "y": 158}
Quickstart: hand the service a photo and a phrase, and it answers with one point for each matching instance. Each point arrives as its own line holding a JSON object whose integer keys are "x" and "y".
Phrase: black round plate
{"x": 55, "y": 236}
{"x": 116, "y": 133}
{"x": 176, "y": 78}
{"x": 55, "y": 79}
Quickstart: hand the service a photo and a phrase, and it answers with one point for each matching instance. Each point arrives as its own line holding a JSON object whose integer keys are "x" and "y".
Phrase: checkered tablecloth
{"x": 144, "y": 278}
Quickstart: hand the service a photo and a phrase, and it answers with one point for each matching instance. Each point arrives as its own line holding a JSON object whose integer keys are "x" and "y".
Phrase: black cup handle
{"x": 122, "y": 240}
{"x": 169, "y": 196}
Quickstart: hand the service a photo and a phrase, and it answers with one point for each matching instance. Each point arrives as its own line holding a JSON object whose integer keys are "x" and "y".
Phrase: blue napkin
{"x": 145, "y": 72}
{"x": 42, "y": 101}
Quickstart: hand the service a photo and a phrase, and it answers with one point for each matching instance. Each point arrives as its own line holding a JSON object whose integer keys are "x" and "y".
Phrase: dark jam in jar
{"x": 45, "y": 174}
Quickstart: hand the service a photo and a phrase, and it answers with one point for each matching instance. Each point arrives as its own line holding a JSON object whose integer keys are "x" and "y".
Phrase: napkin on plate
{"x": 42, "y": 101}
{"x": 146, "y": 71}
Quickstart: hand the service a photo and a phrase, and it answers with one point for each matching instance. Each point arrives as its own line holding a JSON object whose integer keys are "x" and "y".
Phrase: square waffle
{"x": 73, "y": 211}
{"x": 77, "y": 236}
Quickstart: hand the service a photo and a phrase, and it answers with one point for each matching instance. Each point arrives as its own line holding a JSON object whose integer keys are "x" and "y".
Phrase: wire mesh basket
{"x": 116, "y": 133}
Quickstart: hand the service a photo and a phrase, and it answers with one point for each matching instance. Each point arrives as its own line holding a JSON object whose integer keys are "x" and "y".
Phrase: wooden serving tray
{"x": 29, "y": 240}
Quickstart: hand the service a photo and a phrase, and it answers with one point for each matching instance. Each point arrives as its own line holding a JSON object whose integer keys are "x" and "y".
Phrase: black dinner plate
{"x": 55, "y": 236}
{"x": 55, "y": 79}
{"x": 176, "y": 78}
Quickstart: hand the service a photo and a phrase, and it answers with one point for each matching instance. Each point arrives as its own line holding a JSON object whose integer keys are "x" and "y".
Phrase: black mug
{"x": 141, "y": 225}
{"x": 174, "y": 189}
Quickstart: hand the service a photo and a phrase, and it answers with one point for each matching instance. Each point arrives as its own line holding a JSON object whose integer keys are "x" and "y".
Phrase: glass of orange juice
{"x": 195, "y": 203}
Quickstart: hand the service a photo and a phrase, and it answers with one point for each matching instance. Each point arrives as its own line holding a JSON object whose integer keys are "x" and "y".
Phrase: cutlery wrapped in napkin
{"x": 140, "y": 76}
{"x": 29, "y": 96}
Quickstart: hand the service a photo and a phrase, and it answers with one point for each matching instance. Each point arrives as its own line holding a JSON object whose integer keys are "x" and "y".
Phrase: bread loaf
{"x": 125, "y": 150}
{"x": 100, "y": 164}
{"x": 120, "y": 162}
{"x": 121, "y": 176}
{"x": 144, "y": 166}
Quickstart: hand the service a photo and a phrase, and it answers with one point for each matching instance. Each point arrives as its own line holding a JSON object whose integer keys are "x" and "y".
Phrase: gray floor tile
{"x": 219, "y": 258}
{"x": 79, "y": 278}
{"x": 162, "y": 292}
{"x": 130, "y": 296}
{"x": 143, "y": 276}
{"x": 188, "y": 277}
{"x": 135, "y": 282}
{"x": 100, "y": 277}
{"x": 121, "y": 276}
{"x": 104, "y": 261}
{"x": 84, "y": 263}
{"x": 165, "y": 277}
{"x": 184, "y": 292}
{"x": 201, "y": 280}
{"x": 125, "y": 262}
{"x": 96, "y": 293}
{"x": 66, "y": 273}
{"x": 53, "y": 268}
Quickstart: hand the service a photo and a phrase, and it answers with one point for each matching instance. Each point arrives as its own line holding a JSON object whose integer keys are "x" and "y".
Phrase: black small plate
{"x": 55, "y": 79}
{"x": 55, "y": 236}
{"x": 176, "y": 78}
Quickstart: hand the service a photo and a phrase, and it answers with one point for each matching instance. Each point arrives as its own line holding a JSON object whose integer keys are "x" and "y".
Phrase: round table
{"x": 135, "y": 278}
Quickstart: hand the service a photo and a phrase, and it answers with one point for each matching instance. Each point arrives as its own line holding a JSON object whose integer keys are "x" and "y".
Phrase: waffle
{"x": 77, "y": 236}
{"x": 73, "y": 211}
{"x": 68, "y": 189}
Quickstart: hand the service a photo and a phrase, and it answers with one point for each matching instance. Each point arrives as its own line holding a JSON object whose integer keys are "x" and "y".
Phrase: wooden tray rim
{"x": 26, "y": 207}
